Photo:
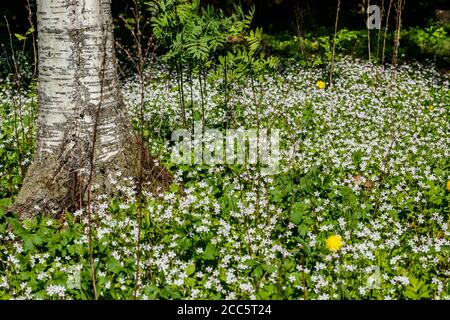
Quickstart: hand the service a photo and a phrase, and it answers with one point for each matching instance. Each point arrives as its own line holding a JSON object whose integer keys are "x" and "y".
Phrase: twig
{"x": 334, "y": 43}
{"x": 385, "y": 31}
{"x": 368, "y": 33}
{"x": 92, "y": 162}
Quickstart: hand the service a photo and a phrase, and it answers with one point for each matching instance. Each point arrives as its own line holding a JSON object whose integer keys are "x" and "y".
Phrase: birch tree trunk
{"x": 82, "y": 119}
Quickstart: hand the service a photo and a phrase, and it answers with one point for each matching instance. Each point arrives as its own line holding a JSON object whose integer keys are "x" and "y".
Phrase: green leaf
{"x": 268, "y": 268}
{"x": 18, "y": 229}
{"x": 303, "y": 230}
{"x": 263, "y": 294}
{"x": 197, "y": 116}
{"x": 251, "y": 262}
{"x": 357, "y": 157}
{"x": 174, "y": 188}
{"x": 277, "y": 195}
{"x": 190, "y": 282}
{"x": 411, "y": 295}
{"x": 190, "y": 269}
{"x": 114, "y": 265}
{"x": 298, "y": 210}
{"x": 210, "y": 252}
{"x": 258, "y": 272}
{"x": 4, "y": 203}
{"x": 20, "y": 37}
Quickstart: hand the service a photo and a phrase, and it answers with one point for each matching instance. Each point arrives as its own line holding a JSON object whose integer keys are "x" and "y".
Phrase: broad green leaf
{"x": 190, "y": 269}
{"x": 20, "y": 37}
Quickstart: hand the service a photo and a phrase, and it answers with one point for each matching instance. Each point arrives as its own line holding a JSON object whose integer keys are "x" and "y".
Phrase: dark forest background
{"x": 274, "y": 15}
{"x": 281, "y": 20}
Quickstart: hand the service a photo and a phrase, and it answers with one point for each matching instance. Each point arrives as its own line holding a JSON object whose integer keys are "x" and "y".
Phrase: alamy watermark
{"x": 373, "y": 17}
{"x": 234, "y": 146}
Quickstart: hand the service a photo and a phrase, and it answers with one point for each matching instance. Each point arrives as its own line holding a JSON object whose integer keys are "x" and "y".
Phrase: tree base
{"x": 56, "y": 185}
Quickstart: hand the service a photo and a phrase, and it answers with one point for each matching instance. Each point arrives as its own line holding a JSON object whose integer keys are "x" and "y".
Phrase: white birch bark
{"x": 76, "y": 50}
{"x": 79, "y": 92}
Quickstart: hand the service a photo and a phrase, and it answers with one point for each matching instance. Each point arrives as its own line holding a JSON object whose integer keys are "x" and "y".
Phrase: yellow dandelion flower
{"x": 431, "y": 108}
{"x": 320, "y": 84}
{"x": 334, "y": 243}
{"x": 448, "y": 185}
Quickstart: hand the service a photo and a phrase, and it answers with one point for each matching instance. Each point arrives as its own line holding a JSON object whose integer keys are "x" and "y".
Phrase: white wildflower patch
{"x": 358, "y": 208}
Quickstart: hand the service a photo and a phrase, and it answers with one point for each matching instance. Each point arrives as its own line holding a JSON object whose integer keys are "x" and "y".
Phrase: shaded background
{"x": 280, "y": 20}
{"x": 273, "y": 15}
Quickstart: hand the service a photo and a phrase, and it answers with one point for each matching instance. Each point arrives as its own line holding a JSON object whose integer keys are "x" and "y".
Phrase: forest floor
{"x": 357, "y": 206}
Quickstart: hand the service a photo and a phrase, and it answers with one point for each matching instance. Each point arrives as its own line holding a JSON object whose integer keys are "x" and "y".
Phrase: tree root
{"x": 55, "y": 185}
